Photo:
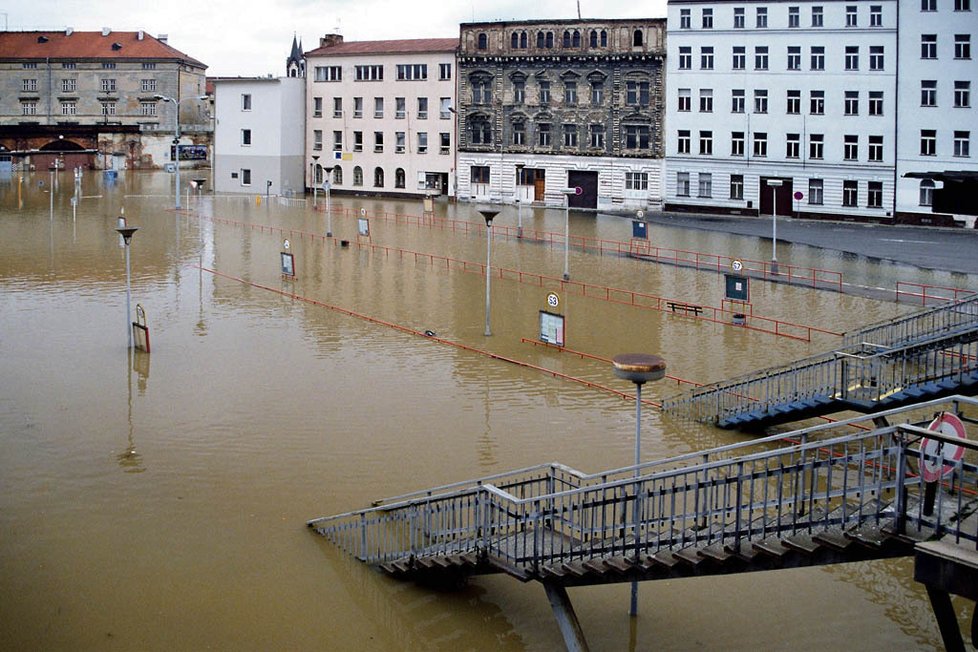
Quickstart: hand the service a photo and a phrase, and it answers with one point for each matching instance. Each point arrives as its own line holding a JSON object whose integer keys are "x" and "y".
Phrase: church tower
{"x": 295, "y": 65}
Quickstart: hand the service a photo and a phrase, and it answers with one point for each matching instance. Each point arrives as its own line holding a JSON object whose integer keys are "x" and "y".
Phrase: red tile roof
{"x": 88, "y": 45}
{"x": 404, "y": 46}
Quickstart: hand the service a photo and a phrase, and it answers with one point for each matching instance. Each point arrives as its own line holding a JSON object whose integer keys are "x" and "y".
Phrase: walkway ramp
{"x": 927, "y": 354}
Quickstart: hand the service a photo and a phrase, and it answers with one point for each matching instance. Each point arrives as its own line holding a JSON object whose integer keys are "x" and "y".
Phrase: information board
{"x": 551, "y": 328}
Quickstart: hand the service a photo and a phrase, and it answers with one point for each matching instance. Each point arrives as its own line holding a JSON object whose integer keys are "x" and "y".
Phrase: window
{"x": 245, "y": 177}
{"x": 875, "y": 102}
{"x": 875, "y": 15}
{"x": 818, "y": 57}
{"x": 962, "y": 46}
{"x": 481, "y": 130}
{"x": 317, "y": 107}
{"x": 400, "y": 178}
{"x": 683, "y": 142}
{"x": 684, "y": 100}
{"x": 760, "y": 144}
{"x": 357, "y": 107}
{"x": 246, "y": 101}
{"x": 357, "y": 141}
{"x": 482, "y": 41}
{"x": 876, "y": 149}
{"x": 739, "y": 21}
{"x": 519, "y": 91}
{"x": 816, "y": 146}
{"x": 378, "y": 177}
{"x": 760, "y": 57}
{"x": 852, "y": 16}
{"x": 378, "y": 107}
{"x": 446, "y": 142}
{"x": 706, "y": 100}
{"x": 570, "y": 135}
{"x": 544, "y": 91}
{"x": 337, "y": 141}
{"x": 597, "y": 93}
{"x": 850, "y": 193}
{"x": 422, "y": 142}
{"x": 519, "y": 133}
{"x": 739, "y": 60}
{"x": 412, "y": 71}
{"x": 850, "y": 147}
{"x": 328, "y": 73}
{"x": 685, "y": 19}
{"x": 851, "y": 103}
{"x": 928, "y": 142}
{"x": 874, "y": 194}
{"x": 400, "y": 108}
{"x": 369, "y": 73}
{"x": 761, "y": 17}
{"x": 815, "y": 192}
{"x": 422, "y": 108}
{"x": 317, "y": 138}
{"x": 737, "y": 143}
{"x": 69, "y": 108}
{"x": 29, "y": 85}
{"x": 108, "y": 108}
{"x": 637, "y": 38}
{"x": 706, "y": 143}
{"x": 928, "y": 5}
{"x": 928, "y": 46}
{"x": 962, "y": 94}
{"x": 593, "y": 40}
{"x": 817, "y": 17}
{"x": 378, "y": 141}
{"x": 926, "y": 192}
{"x": 852, "y": 57}
{"x": 146, "y": 65}
{"x": 792, "y": 146}
{"x": 928, "y": 92}
{"x": 570, "y": 93}
{"x": 337, "y": 107}
{"x": 147, "y": 108}
{"x": 445, "y": 69}
{"x": 147, "y": 85}
{"x": 737, "y": 102}
{"x": 705, "y": 184}
{"x": 637, "y": 93}
{"x": 962, "y": 5}
{"x": 596, "y": 134}
{"x": 636, "y": 181}
{"x": 794, "y": 17}
{"x": 876, "y": 59}
{"x": 108, "y": 86}
{"x": 682, "y": 184}
{"x": 444, "y": 108}
{"x": 33, "y": 65}
{"x": 636, "y": 136}
{"x": 481, "y": 90}
{"x": 760, "y": 101}
{"x": 794, "y": 57}
{"x": 543, "y": 134}
{"x": 357, "y": 176}
{"x": 685, "y": 57}
{"x": 817, "y": 103}
{"x": 736, "y": 186}
{"x": 479, "y": 173}
{"x": 399, "y": 142}
{"x": 707, "y": 19}
{"x": 706, "y": 57}
{"x": 962, "y": 143}
{"x": 28, "y": 108}
{"x": 793, "y": 102}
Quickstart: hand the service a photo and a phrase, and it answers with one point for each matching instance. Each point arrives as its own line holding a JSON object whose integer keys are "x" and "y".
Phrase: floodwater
{"x": 158, "y": 501}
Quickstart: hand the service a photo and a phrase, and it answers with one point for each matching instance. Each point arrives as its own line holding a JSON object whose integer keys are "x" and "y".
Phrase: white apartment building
{"x": 802, "y": 92}
{"x": 937, "y": 167}
{"x": 258, "y": 135}
{"x": 379, "y": 113}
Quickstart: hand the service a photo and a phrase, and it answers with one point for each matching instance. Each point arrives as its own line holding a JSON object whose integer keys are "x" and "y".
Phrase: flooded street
{"x": 158, "y": 501}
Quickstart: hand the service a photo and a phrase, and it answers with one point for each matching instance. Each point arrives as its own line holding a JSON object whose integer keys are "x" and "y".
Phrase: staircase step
{"x": 619, "y": 564}
{"x": 596, "y": 566}
{"x": 664, "y": 558}
{"x": 689, "y": 556}
{"x": 833, "y": 538}
{"x": 716, "y": 552}
{"x": 802, "y": 543}
{"x": 469, "y": 558}
{"x": 744, "y": 550}
{"x": 553, "y": 571}
{"x": 772, "y": 546}
{"x": 575, "y": 568}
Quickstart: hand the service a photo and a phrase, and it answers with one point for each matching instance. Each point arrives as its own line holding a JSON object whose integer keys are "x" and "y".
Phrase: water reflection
{"x": 129, "y": 459}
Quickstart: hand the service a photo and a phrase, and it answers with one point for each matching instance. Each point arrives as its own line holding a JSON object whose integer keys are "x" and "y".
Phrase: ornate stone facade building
{"x": 548, "y": 105}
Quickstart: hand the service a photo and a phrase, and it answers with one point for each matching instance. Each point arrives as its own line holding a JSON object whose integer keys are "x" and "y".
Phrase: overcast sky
{"x": 253, "y": 37}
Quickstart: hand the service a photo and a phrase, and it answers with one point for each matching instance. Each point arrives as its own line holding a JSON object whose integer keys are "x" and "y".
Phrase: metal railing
{"x": 805, "y": 482}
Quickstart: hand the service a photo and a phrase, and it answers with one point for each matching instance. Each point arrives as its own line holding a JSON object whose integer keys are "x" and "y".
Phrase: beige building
{"x": 380, "y": 115}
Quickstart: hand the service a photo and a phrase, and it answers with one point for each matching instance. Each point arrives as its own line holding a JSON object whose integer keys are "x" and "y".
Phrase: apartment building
{"x": 549, "y": 105}
{"x": 379, "y": 115}
{"x": 783, "y": 105}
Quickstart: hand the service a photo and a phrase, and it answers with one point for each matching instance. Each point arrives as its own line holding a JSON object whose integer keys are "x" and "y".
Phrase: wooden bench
{"x": 687, "y": 308}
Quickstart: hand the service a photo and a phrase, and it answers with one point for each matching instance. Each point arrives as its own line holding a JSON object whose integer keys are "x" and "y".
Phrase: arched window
{"x": 927, "y": 192}
{"x": 523, "y": 43}
{"x": 337, "y": 176}
{"x": 576, "y": 39}
{"x": 483, "y": 41}
{"x": 514, "y": 41}
{"x": 550, "y": 39}
{"x": 378, "y": 177}
{"x": 593, "y": 41}
{"x": 357, "y": 176}
{"x": 480, "y": 130}
{"x": 637, "y": 38}
{"x": 604, "y": 39}
{"x": 540, "y": 40}
{"x": 567, "y": 39}
{"x": 398, "y": 177}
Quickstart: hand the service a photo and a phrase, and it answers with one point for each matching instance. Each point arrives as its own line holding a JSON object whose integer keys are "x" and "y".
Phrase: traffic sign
{"x": 737, "y": 265}
{"x": 578, "y": 190}
{"x": 799, "y": 195}
{"x": 942, "y": 456}
{"x": 553, "y": 300}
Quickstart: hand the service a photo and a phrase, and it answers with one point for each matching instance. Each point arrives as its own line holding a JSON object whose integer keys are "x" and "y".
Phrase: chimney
{"x": 69, "y": 31}
{"x": 106, "y": 31}
{"x": 139, "y": 35}
{"x": 162, "y": 38}
{"x": 330, "y": 40}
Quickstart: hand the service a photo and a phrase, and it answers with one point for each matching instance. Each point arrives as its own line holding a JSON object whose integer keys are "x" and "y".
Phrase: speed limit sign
{"x": 553, "y": 300}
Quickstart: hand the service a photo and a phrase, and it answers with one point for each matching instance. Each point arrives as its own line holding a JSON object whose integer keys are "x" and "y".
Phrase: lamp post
{"x": 488, "y": 214}
{"x": 774, "y": 184}
{"x": 315, "y": 169}
{"x": 328, "y": 186}
{"x": 519, "y": 200}
{"x": 639, "y": 368}
{"x": 176, "y": 136}
{"x": 126, "y": 233}
{"x": 567, "y": 194}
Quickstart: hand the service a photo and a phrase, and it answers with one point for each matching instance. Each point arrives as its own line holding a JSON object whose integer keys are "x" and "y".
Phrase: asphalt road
{"x": 954, "y": 250}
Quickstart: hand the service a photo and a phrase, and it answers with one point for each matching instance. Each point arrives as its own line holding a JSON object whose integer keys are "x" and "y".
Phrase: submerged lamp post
{"x": 488, "y": 214}
{"x": 176, "y": 136}
{"x": 774, "y": 184}
{"x": 567, "y": 194}
{"x": 126, "y": 233}
{"x": 519, "y": 200}
{"x": 639, "y": 368}
{"x": 315, "y": 169}
{"x": 329, "y": 213}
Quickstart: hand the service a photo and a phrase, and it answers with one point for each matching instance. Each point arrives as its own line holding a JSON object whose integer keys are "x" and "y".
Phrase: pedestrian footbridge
{"x": 844, "y": 491}
{"x": 923, "y": 355}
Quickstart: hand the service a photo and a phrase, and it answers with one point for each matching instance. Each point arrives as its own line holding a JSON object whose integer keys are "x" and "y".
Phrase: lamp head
{"x": 488, "y": 215}
{"x": 126, "y": 232}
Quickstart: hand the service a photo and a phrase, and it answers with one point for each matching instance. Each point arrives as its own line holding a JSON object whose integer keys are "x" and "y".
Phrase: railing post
{"x": 363, "y": 536}
{"x": 901, "y": 496}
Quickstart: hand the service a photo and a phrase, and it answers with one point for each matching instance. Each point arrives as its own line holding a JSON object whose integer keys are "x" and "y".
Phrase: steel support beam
{"x": 567, "y": 621}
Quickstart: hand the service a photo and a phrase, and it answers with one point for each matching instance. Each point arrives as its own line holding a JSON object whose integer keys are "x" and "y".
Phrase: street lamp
{"x": 567, "y": 193}
{"x": 176, "y": 136}
{"x": 126, "y": 233}
{"x": 519, "y": 200}
{"x": 639, "y": 368}
{"x": 315, "y": 169}
{"x": 774, "y": 184}
{"x": 328, "y": 186}
{"x": 488, "y": 214}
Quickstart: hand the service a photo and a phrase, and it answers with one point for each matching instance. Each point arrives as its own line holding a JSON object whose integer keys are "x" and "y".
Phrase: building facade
{"x": 786, "y": 106}
{"x": 937, "y": 168}
{"x": 259, "y": 141}
{"x": 549, "y": 105}
{"x": 378, "y": 116}
{"x": 92, "y": 98}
